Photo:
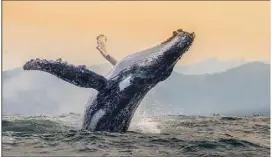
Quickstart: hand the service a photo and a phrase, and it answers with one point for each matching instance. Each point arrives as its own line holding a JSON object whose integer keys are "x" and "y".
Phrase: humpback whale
{"x": 120, "y": 92}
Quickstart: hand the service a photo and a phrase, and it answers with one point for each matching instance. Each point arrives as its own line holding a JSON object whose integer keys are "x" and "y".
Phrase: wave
{"x": 179, "y": 135}
{"x": 39, "y": 124}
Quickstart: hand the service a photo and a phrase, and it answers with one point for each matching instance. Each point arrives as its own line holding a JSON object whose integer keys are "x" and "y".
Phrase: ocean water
{"x": 185, "y": 136}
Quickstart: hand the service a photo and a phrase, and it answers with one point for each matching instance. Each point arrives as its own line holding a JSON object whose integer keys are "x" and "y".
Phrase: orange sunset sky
{"x": 224, "y": 30}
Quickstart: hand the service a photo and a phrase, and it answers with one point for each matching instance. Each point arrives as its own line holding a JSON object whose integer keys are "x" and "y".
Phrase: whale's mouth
{"x": 182, "y": 35}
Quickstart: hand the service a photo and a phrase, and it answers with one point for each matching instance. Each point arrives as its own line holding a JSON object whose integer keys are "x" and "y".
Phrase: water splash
{"x": 141, "y": 122}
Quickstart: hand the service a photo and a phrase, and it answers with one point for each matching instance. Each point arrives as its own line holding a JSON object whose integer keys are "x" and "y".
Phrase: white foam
{"x": 143, "y": 123}
{"x": 125, "y": 83}
{"x": 96, "y": 117}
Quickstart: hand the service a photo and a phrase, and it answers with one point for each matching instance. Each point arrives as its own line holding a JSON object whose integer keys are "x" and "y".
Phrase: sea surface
{"x": 185, "y": 136}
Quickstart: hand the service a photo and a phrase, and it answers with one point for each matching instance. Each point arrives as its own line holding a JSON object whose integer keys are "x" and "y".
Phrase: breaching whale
{"x": 121, "y": 91}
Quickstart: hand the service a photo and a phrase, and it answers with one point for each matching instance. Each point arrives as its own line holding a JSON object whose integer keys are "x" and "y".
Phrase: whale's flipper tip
{"x": 101, "y": 47}
{"x": 33, "y": 64}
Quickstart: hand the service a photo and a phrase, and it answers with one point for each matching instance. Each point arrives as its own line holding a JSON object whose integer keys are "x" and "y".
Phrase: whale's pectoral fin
{"x": 107, "y": 56}
{"x": 77, "y": 75}
{"x": 101, "y": 47}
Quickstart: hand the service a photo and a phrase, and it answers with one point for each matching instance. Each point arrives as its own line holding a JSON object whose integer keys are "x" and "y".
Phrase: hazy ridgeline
{"x": 229, "y": 88}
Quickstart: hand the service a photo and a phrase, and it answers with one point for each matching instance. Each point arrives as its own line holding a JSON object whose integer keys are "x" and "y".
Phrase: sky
{"x": 226, "y": 30}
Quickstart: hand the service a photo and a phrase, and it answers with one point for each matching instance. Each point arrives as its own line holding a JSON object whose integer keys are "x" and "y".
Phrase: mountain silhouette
{"x": 243, "y": 90}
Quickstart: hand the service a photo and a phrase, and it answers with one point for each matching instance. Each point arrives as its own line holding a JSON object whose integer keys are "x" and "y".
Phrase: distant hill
{"x": 102, "y": 69}
{"x": 242, "y": 90}
{"x": 208, "y": 66}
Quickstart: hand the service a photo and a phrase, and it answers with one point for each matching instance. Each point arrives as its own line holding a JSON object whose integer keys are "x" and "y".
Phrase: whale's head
{"x": 157, "y": 63}
{"x": 172, "y": 50}
{"x": 163, "y": 58}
